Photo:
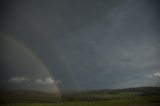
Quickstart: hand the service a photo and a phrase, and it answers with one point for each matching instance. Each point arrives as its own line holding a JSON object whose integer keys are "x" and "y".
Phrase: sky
{"x": 73, "y": 45}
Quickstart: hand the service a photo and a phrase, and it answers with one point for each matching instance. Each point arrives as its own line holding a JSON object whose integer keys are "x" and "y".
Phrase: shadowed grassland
{"x": 122, "y": 102}
{"x": 123, "y": 97}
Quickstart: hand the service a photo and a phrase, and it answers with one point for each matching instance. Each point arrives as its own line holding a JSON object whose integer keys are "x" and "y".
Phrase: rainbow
{"x": 33, "y": 56}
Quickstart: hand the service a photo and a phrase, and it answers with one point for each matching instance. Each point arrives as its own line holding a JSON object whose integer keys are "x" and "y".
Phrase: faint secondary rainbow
{"x": 33, "y": 56}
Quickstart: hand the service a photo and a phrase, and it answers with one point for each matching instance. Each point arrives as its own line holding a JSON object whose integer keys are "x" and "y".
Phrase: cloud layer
{"x": 48, "y": 80}
{"x": 22, "y": 79}
{"x": 18, "y": 79}
{"x": 154, "y": 76}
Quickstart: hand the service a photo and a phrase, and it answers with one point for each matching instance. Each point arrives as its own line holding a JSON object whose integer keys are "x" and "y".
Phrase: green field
{"x": 125, "y": 102}
{"x": 124, "y": 97}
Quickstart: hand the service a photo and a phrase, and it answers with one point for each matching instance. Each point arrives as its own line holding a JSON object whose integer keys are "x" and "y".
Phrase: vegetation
{"x": 149, "y": 96}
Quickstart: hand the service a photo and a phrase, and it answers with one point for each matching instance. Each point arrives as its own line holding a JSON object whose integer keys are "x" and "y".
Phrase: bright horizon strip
{"x": 33, "y": 56}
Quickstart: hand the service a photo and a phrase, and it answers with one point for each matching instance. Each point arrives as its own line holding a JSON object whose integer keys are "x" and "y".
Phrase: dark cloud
{"x": 86, "y": 44}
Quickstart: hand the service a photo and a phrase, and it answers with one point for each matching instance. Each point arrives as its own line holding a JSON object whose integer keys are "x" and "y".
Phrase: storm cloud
{"x": 86, "y": 44}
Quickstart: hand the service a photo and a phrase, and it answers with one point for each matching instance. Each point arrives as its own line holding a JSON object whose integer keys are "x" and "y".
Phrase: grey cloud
{"x": 48, "y": 80}
{"x": 154, "y": 76}
{"x": 104, "y": 42}
{"x": 18, "y": 79}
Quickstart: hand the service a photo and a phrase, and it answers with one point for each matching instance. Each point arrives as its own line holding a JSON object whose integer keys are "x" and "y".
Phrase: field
{"x": 129, "y": 102}
{"x": 124, "y": 97}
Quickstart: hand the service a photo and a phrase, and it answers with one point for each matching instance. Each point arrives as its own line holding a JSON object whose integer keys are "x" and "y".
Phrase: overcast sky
{"x": 58, "y": 45}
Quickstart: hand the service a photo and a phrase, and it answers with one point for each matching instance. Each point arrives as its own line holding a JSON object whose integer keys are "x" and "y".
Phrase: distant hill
{"x": 142, "y": 90}
{"x": 95, "y": 95}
